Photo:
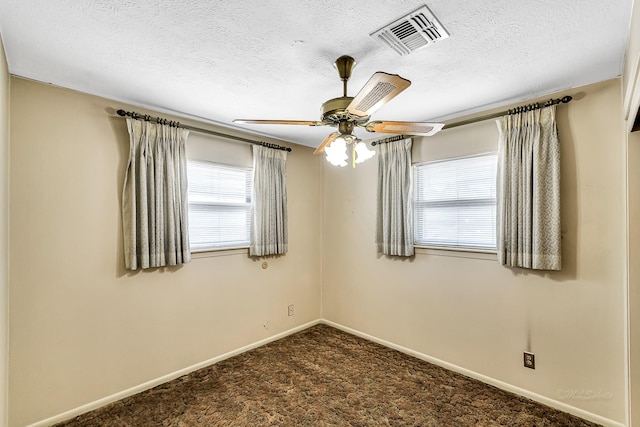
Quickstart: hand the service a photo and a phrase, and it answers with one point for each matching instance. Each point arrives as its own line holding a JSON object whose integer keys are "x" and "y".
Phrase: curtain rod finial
{"x": 121, "y": 113}
{"x": 566, "y": 99}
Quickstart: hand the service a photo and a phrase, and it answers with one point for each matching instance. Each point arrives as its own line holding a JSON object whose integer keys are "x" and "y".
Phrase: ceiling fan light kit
{"x": 346, "y": 113}
{"x": 337, "y": 151}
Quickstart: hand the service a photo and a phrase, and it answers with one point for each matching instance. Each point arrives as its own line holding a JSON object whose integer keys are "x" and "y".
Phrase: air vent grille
{"x": 418, "y": 29}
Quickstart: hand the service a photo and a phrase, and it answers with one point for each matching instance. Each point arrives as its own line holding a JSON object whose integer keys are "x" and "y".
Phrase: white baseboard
{"x": 485, "y": 379}
{"x": 172, "y": 376}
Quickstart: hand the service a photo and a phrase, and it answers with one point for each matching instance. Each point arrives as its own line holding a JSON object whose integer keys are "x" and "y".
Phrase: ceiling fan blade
{"x": 380, "y": 89}
{"x": 279, "y": 122}
{"x": 410, "y": 128}
{"x": 328, "y": 140}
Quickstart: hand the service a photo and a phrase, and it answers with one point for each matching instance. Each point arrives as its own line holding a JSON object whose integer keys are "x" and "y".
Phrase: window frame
{"x": 432, "y": 247}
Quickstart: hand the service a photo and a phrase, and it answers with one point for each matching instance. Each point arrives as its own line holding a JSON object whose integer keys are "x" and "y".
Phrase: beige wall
{"x": 472, "y": 312}
{"x": 4, "y": 252}
{"x": 631, "y": 71}
{"x": 634, "y": 272}
{"x": 82, "y": 327}
{"x": 632, "y": 97}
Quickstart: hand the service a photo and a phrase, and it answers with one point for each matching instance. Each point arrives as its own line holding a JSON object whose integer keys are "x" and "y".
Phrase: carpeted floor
{"x": 325, "y": 377}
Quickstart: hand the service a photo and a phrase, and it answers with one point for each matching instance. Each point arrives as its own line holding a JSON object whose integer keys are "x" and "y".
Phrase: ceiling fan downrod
{"x": 344, "y": 65}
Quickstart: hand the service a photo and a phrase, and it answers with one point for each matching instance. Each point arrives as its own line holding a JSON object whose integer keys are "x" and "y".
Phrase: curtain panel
{"x": 528, "y": 193}
{"x": 394, "y": 230}
{"x": 154, "y": 197}
{"x": 269, "y": 211}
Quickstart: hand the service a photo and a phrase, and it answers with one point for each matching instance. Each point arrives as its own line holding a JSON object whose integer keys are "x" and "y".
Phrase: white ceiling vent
{"x": 418, "y": 29}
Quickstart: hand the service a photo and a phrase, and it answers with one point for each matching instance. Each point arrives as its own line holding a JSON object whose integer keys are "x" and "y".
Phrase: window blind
{"x": 454, "y": 202}
{"x": 219, "y": 205}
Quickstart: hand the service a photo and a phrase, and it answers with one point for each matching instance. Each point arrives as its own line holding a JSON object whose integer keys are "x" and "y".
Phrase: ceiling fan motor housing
{"x": 334, "y": 111}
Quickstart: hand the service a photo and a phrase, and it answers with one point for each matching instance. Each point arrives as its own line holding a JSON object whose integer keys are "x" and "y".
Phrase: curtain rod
{"x": 390, "y": 139}
{"x": 160, "y": 120}
{"x": 515, "y": 110}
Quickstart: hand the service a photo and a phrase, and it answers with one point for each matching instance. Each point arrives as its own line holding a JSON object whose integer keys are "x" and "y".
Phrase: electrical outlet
{"x": 290, "y": 310}
{"x": 529, "y": 360}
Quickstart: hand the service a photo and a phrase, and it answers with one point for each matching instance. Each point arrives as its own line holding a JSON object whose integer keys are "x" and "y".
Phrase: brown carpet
{"x": 325, "y": 377}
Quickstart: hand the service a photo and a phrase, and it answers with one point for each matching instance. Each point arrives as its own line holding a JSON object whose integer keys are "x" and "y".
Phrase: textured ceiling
{"x": 220, "y": 60}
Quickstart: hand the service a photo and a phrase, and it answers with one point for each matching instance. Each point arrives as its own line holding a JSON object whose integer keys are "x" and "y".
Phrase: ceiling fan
{"x": 349, "y": 112}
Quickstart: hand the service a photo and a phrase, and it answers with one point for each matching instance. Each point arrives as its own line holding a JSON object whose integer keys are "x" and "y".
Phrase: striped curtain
{"x": 394, "y": 234}
{"x": 269, "y": 202}
{"x": 528, "y": 194}
{"x": 154, "y": 197}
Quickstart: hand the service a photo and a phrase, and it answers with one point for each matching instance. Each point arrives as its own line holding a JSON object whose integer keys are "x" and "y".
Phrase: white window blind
{"x": 219, "y": 205}
{"x": 454, "y": 202}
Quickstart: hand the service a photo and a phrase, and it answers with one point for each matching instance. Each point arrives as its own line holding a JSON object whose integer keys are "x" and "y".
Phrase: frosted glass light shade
{"x": 337, "y": 152}
{"x": 362, "y": 152}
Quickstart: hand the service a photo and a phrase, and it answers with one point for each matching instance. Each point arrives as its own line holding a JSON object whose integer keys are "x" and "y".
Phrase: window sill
{"x": 457, "y": 252}
{"x": 208, "y": 253}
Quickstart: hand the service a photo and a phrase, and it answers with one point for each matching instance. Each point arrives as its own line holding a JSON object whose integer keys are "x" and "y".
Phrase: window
{"x": 219, "y": 205}
{"x": 454, "y": 202}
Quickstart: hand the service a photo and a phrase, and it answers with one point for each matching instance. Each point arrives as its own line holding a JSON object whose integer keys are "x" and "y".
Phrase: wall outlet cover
{"x": 529, "y": 360}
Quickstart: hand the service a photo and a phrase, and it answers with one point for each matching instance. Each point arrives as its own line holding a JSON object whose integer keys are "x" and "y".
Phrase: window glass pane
{"x": 466, "y": 226}
{"x": 463, "y": 178}
{"x": 215, "y": 183}
{"x": 219, "y": 205}
{"x": 455, "y": 202}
